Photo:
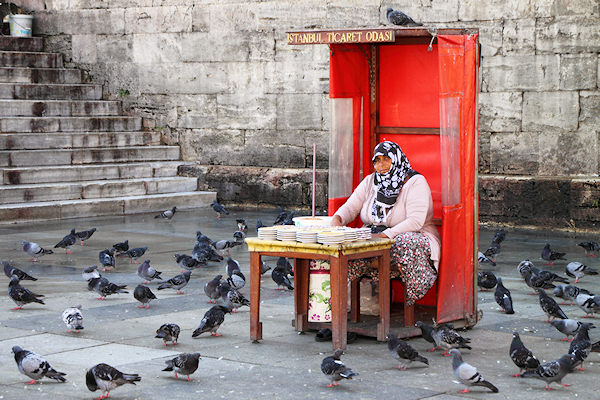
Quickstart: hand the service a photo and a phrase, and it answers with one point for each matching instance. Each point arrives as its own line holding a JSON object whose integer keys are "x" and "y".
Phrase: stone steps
{"x": 66, "y": 140}
{"x": 70, "y": 124}
{"x": 88, "y": 172}
{"x": 53, "y": 108}
{"x": 30, "y": 158}
{"x": 101, "y": 207}
{"x": 39, "y": 75}
{"x": 30, "y": 59}
{"x": 95, "y": 189}
{"x": 9, "y": 43}
{"x": 50, "y": 91}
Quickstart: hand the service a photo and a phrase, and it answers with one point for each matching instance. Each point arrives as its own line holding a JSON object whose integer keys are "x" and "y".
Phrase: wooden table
{"x": 338, "y": 257}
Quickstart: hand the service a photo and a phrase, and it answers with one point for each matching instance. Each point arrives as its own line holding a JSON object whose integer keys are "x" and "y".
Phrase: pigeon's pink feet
{"x": 135, "y": 262}
{"x": 142, "y": 306}
{"x": 16, "y": 308}
{"x": 31, "y": 382}
{"x": 189, "y": 379}
{"x": 548, "y": 388}
{"x": 566, "y": 384}
{"x": 176, "y": 375}
{"x": 576, "y": 280}
{"x": 82, "y": 243}
{"x": 214, "y": 334}
{"x": 174, "y": 343}
{"x": 516, "y": 375}
{"x": 68, "y": 252}
{"x": 588, "y": 316}
{"x": 70, "y": 330}
{"x": 403, "y": 368}
{"x": 464, "y": 391}
{"x": 166, "y": 344}
{"x": 148, "y": 306}
{"x": 565, "y": 339}
{"x": 180, "y": 292}
{"x": 549, "y": 263}
{"x": 100, "y": 298}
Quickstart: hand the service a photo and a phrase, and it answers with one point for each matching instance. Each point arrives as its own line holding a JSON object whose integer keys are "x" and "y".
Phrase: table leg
{"x": 383, "y": 327}
{"x": 339, "y": 301}
{"x": 255, "y": 324}
{"x": 355, "y": 300}
{"x": 301, "y": 276}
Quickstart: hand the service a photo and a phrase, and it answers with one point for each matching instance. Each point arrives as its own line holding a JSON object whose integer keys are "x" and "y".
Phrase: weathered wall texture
{"x": 220, "y": 80}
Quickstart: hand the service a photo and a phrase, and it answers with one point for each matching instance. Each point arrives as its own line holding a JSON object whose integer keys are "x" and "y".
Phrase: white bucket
{"x": 20, "y": 25}
{"x": 307, "y": 222}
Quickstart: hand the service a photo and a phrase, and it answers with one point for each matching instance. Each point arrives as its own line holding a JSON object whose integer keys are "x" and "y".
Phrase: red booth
{"x": 418, "y": 88}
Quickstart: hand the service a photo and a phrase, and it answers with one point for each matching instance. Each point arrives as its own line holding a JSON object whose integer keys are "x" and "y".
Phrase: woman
{"x": 396, "y": 201}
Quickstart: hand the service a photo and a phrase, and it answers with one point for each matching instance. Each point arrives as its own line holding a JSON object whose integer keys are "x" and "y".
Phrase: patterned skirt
{"x": 410, "y": 261}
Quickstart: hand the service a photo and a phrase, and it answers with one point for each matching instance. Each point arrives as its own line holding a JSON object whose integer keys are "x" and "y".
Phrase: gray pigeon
{"x": 106, "y": 378}
{"x": 569, "y": 292}
{"x": 168, "y": 332}
{"x": 581, "y": 345}
{"x": 588, "y": 303}
{"x": 553, "y": 371}
{"x": 264, "y": 267}
{"x": 121, "y": 247}
{"x": 225, "y": 244}
{"x": 399, "y": 18}
{"x": 134, "y": 254}
{"x": 177, "y": 282}
{"x": 427, "y": 334}
{"x": 187, "y": 262}
{"x": 212, "y": 320}
{"x": 211, "y": 289}
{"x": 482, "y": 258}
{"x": 237, "y": 280}
{"x": 401, "y": 351}
{"x": 147, "y": 273}
{"x": 486, "y": 280}
{"x": 67, "y": 241}
{"x": 279, "y": 276}
{"x": 73, "y": 318}
{"x": 104, "y": 287}
{"x": 468, "y": 374}
{"x": 550, "y": 255}
{"x": 232, "y": 298}
{"x": 34, "y": 366}
{"x": 568, "y": 327}
{"x": 550, "y": 306}
{"x": 335, "y": 370}
{"x": 90, "y": 272}
{"x": 448, "y": 338}
{"x": 10, "y": 270}
{"x": 168, "y": 214}
{"x": 577, "y": 270}
{"x": 239, "y": 237}
{"x": 590, "y": 248}
{"x": 21, "y": 295}
{"x": 219, "y": 209}
{"x": 107, "y": 258}
{"x": 85, "y": 235}
{"x": 185, "y": 364}
{"x": 144, "y": 295}
{"x": 503, "y": 297}
{"x": 522, "y": 356}
{"x": 35, "y": 250}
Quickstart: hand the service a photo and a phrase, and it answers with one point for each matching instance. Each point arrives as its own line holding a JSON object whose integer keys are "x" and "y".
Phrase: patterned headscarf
{"x": 389, "y": 185}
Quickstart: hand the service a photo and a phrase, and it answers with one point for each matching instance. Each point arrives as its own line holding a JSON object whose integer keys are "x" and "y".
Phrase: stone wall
{"x": 219, "y": 79}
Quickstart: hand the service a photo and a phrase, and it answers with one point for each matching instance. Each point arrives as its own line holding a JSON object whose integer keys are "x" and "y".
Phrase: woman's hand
{"x": 336, "y": 220}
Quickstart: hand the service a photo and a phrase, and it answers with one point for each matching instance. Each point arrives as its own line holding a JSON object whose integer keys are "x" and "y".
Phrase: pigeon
{"x": 237, "y": 280}
{"x": 282, "y": 216}
{"x": 107, "y": 258}
{"x": 168, "y": 332}
{"x": 550, "y": 306}
{"x": 569, "y": 292}
{"x": 280, "y": 277}
{"x": 264, "y": 267}
{"x": 499, "y": 236}
{"x": 187, "y": 262}
{"x": 588, "y": 303}
{"x": 226, "y": 244}
{"x": 239, "y": 236}
{"x": 219, "y": 209}
{"x": 121, "y": 247}
{"x": 284, "y": 264}
{"x": 242, "y": 225}
{"x": 522, "y": 356}
{"x": 104, "y": 287}
{"x": 401, "y": 350}
{"x": 492, "y": 251}
{"x": 591, "y": 248}
{"x": 396, "y": 17}
{"x": 185, "y": 364}
{"x": 468, "y": 374}
{"x": 581, "y": 345}
{"x": 448, "y": 338}
{"x": 212, "y": 320}
{"x": 550, "y": 255}
{"x": 106, "y": 378}
{"x": 204, "y": 252}
{"x": 503, "y": 298}
{"x": 144, "y": 295}
{"x": 202, "y": 238}
{"x": 34, "y": 250}
{"x": 146, "y": 272}
{"x": 85, "y": 235}
{"x": 482, "y": 258}
{"x": 569, "y": 327}
{"x": 232, "y": 265}
{"x": 289, "y": 219}
{"x": 259, "y": 224}
{"x": 577, "y": 270}
{"x": 426, "y": 333}
{"x": 73, "y": 318}
{"x": 553, "y": 371}
{"x": 534, "y": 281}
{"x": 9, "y": 271}
{"x": 596, "y": 347}
{"x": 34, "y": 366}
{"x": 67, "y": 241}
{"x": 134, "y": 254}
{"x": 335, "y": 370}
{"x": 486, "y": 280}
{"x": 177, "y": 282}
{"x": 90, "y": 272}
{"x": 21, "y": 295}
{"x": 211, "y": 289}
{"x": 168, "y": 214}
{"x": 232, "y": 298}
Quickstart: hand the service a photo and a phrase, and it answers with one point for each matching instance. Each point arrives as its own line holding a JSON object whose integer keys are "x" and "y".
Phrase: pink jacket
{"x": 412, "y": 212}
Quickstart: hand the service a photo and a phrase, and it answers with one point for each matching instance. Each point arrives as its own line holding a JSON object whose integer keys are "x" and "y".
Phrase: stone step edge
{"x": 63, "y": 209}
{"x": 162, "y": 146}
{"x": 99, "y": 165}
{"x": 30, "y": 52}
{"x": 98, "y": 181}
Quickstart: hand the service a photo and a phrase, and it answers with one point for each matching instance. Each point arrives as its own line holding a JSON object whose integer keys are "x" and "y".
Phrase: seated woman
{"x": 396, "y": 201}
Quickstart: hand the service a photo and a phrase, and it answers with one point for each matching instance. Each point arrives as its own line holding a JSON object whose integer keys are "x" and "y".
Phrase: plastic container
{"x": 20, "y": 25}
{"x": 319, "y": 292}
{"x": 306, "y": 222}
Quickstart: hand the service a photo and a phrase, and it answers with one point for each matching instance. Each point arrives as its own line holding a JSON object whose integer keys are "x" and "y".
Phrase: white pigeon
{"x": 577, "y": 270}
{"x": 73, "y": 318}
{"x": 34, "y": 366}
{"x": 34, "y": 250}
{"x": 468, "y": 374}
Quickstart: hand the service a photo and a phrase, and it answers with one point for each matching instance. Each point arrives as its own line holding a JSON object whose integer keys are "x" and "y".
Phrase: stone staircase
{"x": 65, "y": 152}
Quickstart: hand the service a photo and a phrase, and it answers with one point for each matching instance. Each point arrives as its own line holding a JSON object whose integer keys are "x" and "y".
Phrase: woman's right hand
{"x": 336, "y": 220}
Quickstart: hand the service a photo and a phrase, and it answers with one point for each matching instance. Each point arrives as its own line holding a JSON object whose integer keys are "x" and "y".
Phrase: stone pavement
{"x": 285, "y": 364}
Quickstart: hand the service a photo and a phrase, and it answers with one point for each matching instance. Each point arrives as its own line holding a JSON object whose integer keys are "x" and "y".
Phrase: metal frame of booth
{"x": 417, "y": 87}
